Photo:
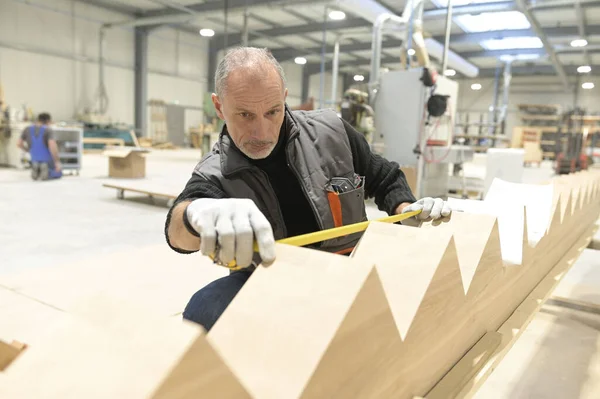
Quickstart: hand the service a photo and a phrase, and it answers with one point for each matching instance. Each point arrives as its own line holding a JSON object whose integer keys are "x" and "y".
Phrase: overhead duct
{"x": 371, "y": 10}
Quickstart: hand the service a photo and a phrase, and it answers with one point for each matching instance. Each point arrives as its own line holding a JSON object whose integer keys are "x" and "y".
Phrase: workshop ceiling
{"x": 295, "y": 28}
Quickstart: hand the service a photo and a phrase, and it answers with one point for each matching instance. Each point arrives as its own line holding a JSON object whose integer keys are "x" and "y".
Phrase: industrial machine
{"x": 571, "y": 158}
{"x": 411, "y": 134}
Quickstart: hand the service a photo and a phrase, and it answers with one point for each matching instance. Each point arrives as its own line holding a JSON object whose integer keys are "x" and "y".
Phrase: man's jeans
{"x": 208, "y": 304}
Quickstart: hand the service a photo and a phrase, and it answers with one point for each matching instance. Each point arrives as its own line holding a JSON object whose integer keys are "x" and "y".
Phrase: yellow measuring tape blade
{"x": 323, "y": 235}
{"x": 312, "y": 238}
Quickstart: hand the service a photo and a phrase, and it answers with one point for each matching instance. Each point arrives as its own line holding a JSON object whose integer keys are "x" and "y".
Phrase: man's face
{"x": 253, "y": 107}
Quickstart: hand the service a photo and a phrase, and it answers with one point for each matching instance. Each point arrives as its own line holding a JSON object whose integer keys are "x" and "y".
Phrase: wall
{"x": 527, "y": 90}
{"x": 49, "y": 52}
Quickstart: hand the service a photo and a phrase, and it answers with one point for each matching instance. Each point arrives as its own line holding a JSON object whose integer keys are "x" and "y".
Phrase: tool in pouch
{"x": 323, "y": 235}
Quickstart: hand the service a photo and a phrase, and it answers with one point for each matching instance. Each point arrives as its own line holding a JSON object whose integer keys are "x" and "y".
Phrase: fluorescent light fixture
{"x": 587, "y": 85}
{"x": 207, "y": 32}
{"x": 579, "y": 43}
{"x": 411, "y": 51}
{"x": 359, "y": 78}
{"x": 300, "y": 60}
{"x": 449, "y": 72}
{"x": 337, "y": 15}
{"x": 509, "y": 43}
{"x": 492, "y": 21}
{"x": 519, "y": 57}
{"x": 584, "y": 69}
{"x": 455, "y": 3}
{"x": 475, "y": 86}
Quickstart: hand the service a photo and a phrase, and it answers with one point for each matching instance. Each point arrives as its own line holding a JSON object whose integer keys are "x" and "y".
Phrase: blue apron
{"x": 40, "y": 152}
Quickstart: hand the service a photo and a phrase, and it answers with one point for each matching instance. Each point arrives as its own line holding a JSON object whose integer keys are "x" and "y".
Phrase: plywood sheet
{"x": 154, "y": 276}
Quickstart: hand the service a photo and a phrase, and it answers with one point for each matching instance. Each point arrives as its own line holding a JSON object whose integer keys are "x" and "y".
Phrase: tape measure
{"x": 323, "y": 235}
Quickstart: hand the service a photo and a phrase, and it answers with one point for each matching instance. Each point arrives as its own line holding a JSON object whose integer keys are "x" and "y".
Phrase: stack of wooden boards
{"x": 414, "y": 312}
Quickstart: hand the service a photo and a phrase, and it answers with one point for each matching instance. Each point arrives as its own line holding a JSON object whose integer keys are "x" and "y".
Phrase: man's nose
{"x": 259, "y": 128}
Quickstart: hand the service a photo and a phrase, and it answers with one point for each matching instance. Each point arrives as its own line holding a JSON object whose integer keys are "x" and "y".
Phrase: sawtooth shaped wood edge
{"x": 119, "y": 354}
{"x": 306, "y": 308}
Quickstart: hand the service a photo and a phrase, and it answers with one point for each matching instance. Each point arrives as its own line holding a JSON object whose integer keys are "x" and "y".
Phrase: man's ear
{"x": 218, "y": 105}
{"x": 285, "y": 95}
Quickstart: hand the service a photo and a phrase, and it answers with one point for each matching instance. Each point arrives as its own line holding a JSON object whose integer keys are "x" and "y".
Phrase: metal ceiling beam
{"x": 119, "y": 8}
{"x": 581, "y": 27}
{"x": 236, "y": 38}
{"x": 527, "y": 51}
{"x": 285, "y": 54}
{"x": 350, "y": 23}
{"x": 553, "y": 5}
{"x": 232, "y": 5}
{"x": 537, "y": 28}
{"x": 528, "y": 70}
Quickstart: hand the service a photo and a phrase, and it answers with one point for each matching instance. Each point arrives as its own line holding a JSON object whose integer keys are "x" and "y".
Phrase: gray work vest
{"x": 317, "y": 150}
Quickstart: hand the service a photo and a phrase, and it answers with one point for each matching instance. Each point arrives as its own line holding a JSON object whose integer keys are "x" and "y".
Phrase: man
{"x": 38, "y": 139}
{"x": 276, "y": 173}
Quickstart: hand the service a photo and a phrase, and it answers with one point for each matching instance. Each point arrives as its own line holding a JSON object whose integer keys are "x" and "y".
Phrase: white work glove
{"x": 234, "y": 223}
{"x": 431, "y": 209}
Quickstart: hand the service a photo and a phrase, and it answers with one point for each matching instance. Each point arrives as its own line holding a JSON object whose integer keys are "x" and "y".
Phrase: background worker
{"x": 38, "y": 139}
{"x": 276, "y": 173}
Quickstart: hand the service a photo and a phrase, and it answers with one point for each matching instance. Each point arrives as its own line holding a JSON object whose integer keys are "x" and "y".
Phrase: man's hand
{"x": 234, "y": 223}
{"x": 57, "y": 167}
{"x": 431, "y": 209}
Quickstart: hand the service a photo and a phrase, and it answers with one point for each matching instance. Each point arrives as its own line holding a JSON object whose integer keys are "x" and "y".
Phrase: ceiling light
{"x": 207, "y": 32}
{"x": 449, "y": 72}
{"x": 455, "y": 3}
{"x": 492, "y": 21}
{"x": 475, "y": 86}
{"x": 584, "y": 69}
{"x": 359, "y": 78}
{"x": 411, "y": 51}
{"x": 579, "y": 43}
{"x": 337, "y": 15}
{"x": 300, "y": 60}
{"x": 519, "y": 57}
{"x": 509, "y": 43}
{"x": 587, "y": 85}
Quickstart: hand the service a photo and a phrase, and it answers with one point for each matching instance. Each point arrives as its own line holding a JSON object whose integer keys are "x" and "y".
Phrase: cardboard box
{"x": 411, "y": 177}
{"x": 127, "y": 162}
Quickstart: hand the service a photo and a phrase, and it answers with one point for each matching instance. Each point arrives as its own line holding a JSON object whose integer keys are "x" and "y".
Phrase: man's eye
{"x": 273, "y": 112}
{"x": 244, "y": 114}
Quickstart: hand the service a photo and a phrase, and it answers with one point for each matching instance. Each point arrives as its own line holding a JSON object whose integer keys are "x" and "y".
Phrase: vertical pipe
{"x": 305, "y": 84}
{"x": 408, "y": 35}
{"x": 447, "y": 37}
{"x": 323, "y": 50}
{"x": 334, "y": 73}
{"x": 226, "y": 23}
{"x": 245, "y": 27}
{"x": 506, "y": 88}
{"x": 492, "y": 119}
{"x": 141, "y": 80}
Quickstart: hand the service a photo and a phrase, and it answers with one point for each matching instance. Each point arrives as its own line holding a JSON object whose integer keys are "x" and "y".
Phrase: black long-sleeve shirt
{"x": 383, "y": 180}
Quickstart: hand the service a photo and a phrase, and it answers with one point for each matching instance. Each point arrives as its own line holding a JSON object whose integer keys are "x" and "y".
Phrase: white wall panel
{"x": 49, "y": 52}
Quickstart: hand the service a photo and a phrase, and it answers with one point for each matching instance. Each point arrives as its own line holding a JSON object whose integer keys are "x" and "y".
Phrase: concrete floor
{"x": 44, "y": 224}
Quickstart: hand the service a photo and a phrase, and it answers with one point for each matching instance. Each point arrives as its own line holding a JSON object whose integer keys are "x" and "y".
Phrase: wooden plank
{"x": 140, "y": 190}
{"x": 466, "y": 368}
{"x": 155, "y": 276}
{"x": 105, "y": 141}
{"x": 294, "y": 312}
{"x": 517, "y": 323}
{"x": 112, "y": 350}
{"x": 9, "y": 352}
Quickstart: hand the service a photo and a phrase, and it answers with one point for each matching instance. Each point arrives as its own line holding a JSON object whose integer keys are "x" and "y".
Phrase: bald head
{"x": 250, "y": 98}
{"x": 248, "y": 60}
